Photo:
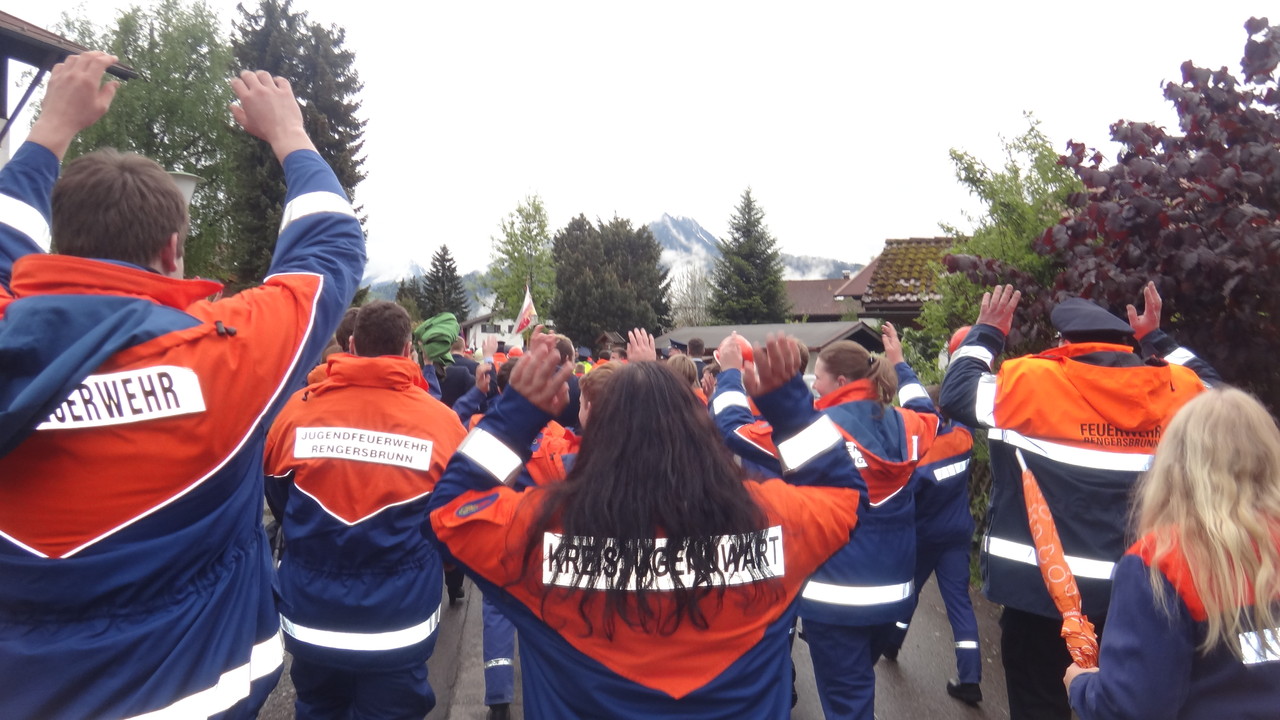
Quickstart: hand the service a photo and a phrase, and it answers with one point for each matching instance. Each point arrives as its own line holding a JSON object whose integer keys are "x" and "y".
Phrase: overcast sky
{"x": 838, "y": 116}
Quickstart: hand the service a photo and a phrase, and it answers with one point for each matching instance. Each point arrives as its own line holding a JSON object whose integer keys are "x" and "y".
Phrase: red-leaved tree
{"x": 1198, "y": 213}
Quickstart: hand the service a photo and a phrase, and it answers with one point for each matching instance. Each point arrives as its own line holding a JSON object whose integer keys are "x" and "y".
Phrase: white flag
{"x": 527, "y": 313}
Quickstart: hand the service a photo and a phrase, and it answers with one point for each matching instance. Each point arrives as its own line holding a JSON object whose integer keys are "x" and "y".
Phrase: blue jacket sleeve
{"x": 494, "y": 452}
{"x": 26, "y": 185}
{"x": 319, "y": 234}
{"x": 1159, "y": 344}
{"x": 810, "y": 446}
{"x": 911, "y": 393}
{"x": 731, "y": 411}
{"x": 472, "y": 402}
{"x": 1146, "y": 656}
{"x": 968, "y": 389}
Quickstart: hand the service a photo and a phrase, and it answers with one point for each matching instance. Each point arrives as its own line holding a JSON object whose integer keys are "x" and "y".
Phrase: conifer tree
{"x": 441, "y": 289}
{"x": 747, "y": 284}
{"x": 275, "y": 38}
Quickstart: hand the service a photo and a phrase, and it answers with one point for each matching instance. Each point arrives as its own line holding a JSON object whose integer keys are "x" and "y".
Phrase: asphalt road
{"x": 910, "y": 689}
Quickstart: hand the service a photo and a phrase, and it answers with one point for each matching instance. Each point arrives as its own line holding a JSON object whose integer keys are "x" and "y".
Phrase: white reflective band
{"x": 984, "y": 405}
{"x": 491, "y": 454}
{"x": 902, "y": 625}
{"x": 1181, "y": 356}
{"x": 809, "y": 443}
{"x": 391, "y": 640}
{"x": 232, "y": 687}
{"x": 1018, "y": 552}
{"x": 856, "y": 595}
{"x": 728, "y": 400}
{"x": 966, "y": 644}
{"x": 497, "y": 662}
{"x": 1253, "y": 649}
{"x": 25, "y": 219}
{"x": 974, "y": 351}
{"x": 313, "y": 203}
{"x": 950, "y": 471}
{"x": 914, "y": 391}
{"x": 1080, "y": 457}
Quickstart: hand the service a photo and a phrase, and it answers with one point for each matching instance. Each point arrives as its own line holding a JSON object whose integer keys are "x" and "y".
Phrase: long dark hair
{"x": 651, "y": 462}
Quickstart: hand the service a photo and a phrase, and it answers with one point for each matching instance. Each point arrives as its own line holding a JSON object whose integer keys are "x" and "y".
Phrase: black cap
{"x": 1081, "y": 320}
{"x": 677, "y": 345}
{"x": 584, "y": 351}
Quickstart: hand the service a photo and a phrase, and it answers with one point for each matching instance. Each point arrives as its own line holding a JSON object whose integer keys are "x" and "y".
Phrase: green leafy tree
{"x": 406, "y": 297}
{"x": 608, "y": 277}
{"x": 175, "y": 113}
{"x": 441, "y": 289}
{"x": 275, "y": 38}
{"x": 1022, "y": 197}
{"x": 747, "y": 286}
{"x": 522, "y": 256}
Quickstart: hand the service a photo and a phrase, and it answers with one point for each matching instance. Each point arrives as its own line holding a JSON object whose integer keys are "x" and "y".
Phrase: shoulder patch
{"x": 476, "y": 506}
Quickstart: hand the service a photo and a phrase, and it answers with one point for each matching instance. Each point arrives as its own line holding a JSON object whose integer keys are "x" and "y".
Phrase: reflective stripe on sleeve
{"x": 497, "y": 662}
{"x": 1026, "y": 554}
{"x": 974, "y": 351}
{"x": 25, "y": 219}
{"x": 490, "y": 453}
{"x": 966, "y": 644}
{"x": 1181, "y": 356}
{"x": 391, "y": 640}
{"x": 1253, "y": 649}
{"x": 949, "y": 471}
{"x": 233, "y": 686}
{"x": 809, "y": 443}
{"x": 1066, "y": 454}
{"x": 856, "y": 595}
{"x": 313, "y": 203}
{"x": 902, "y": 625}
{"x": 728, "y": 400}
{"x": 984, "y": 405}
{"x": 913, "y": 391}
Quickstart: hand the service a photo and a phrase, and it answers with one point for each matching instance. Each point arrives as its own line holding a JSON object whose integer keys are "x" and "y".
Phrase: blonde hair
{"x": 849, "y": 359}
{"x": 591, "y": 385}
{"x": 684, "y": 368}
{"x": 1213, "y": 491}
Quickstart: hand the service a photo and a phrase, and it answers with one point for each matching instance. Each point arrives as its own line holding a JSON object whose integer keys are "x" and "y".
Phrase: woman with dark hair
{"x": 655, "y": 580}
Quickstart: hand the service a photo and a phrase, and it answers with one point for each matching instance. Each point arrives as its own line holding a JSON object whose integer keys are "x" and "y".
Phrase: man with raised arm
{"x": 1085, "y": 417}
{"x": 137, "y": 580}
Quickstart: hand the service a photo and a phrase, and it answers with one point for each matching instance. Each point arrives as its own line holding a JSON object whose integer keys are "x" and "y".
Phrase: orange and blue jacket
{"x": 1086, "y": 419}
{"x": 132, "y": 413}
{"x": 350, "y": 463}
{"x": 729, "y": 669}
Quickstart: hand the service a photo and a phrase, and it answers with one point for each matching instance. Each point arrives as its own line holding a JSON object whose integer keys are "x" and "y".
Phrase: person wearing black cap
{"x": 1085, "y": 418}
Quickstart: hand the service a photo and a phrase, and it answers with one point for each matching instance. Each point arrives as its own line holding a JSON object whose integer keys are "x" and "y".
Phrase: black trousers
{"x": 1035, "y": 658}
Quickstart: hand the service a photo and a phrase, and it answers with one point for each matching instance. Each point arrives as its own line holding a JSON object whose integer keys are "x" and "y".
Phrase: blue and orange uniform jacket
{"x": 747, "y": 434}
{"x": 871, "y": 580}
{"x": 941, "y": 486}
{"x": 1087, "y": 418}
{"x": 137, "y": 577}
{"x": 731, "y": 669}
{"x": 351, "y": 462}
{"x": 1150, "y": 664}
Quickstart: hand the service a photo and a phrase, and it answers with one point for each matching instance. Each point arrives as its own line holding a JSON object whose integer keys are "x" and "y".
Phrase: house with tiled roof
{"x": 899, "y": 281}
{"x": 815, "y": 300}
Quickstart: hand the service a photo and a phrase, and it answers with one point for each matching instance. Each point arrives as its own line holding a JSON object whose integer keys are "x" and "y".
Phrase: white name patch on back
{"x": 737, "y": 560}
{"x": 128, "y": 397}
{"x": 362, "y": 446}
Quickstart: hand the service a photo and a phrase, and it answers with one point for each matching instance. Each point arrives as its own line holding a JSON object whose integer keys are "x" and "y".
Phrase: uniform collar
{"x": 849, "y": 392}
{"x": 44, "y": 274}
{"x": 393, "y": 371}
{"x": 1073, "y": 350}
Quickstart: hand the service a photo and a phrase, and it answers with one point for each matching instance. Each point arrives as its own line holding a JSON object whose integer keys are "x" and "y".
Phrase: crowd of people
{"x": 658, "y": 529}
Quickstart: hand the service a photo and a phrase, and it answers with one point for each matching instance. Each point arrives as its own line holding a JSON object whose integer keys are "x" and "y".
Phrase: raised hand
{"x": 484, "y": 375}
{"x": 775, "y": 364}
{"x": 539, "y": 377}
{"x": 75, "y": 99}
{"x": 729, "y": 354}
{"x": 892, "y": 345}
{"x": 640, "y": 346}
{"x": 998, "y": 306}
{"x": 1150, "y": 318}
{"x": 268, "y": 110}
